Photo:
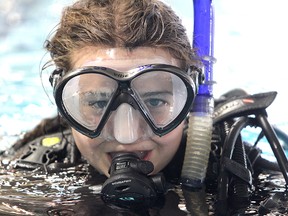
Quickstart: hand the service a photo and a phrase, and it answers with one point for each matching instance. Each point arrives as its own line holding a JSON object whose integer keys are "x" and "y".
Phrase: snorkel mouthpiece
{"x": 129, "y": 187}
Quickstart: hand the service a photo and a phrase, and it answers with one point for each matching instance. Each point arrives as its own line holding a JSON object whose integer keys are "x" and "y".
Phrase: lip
{"x": 143, "y": 155}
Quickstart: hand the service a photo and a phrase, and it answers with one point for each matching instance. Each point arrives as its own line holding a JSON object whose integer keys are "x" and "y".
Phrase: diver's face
{"x": 99, "y": 151}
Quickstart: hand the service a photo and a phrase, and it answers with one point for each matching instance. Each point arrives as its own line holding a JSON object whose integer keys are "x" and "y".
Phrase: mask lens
{"x": 162, "y": 94}
{"x": 86, "y": 96}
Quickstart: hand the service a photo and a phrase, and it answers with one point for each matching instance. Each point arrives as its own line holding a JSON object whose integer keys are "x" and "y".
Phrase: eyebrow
{"x": 153, "y": 93}
{"x": 96, "y": 93}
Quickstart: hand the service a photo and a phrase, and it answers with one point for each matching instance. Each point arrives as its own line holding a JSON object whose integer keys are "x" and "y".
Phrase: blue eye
{"x": 155, "y": 102}
{"x": 95, "y": 102}
{"x": 101, "y": 104}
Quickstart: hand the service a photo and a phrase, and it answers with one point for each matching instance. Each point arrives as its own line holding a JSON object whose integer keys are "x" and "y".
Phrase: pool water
{"x": 75, "y": 191}
{"x": 72, "y": 191}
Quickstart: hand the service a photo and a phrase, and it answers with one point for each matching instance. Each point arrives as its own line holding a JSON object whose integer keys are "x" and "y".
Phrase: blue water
{"x": 24, "y": 26}
{"x": 250, "y": 47}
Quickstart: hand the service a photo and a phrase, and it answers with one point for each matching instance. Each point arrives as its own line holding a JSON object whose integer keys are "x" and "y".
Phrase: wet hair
{"x": 117, "y": 23}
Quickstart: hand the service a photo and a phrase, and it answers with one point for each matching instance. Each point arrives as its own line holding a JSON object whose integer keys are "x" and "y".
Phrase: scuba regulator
{"x": 129, "y": 185}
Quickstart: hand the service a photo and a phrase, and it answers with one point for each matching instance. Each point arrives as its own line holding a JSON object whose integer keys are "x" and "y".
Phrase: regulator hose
{"x": 233, "y": 172}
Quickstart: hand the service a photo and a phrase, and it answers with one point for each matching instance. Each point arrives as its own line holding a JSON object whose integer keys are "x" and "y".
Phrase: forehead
{"x": 121, "y": 59}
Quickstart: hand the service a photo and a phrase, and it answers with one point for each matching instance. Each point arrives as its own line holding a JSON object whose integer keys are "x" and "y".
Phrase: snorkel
{"x": 200, "y": 121}
{"x": 199, "y": 132}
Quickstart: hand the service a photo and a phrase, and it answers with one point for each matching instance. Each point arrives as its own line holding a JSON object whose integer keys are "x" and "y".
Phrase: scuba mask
{"x": 95, "y": 99}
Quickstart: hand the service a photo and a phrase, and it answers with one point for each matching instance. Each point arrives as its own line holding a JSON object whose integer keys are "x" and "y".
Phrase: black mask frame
{"x": 192, "y": 79}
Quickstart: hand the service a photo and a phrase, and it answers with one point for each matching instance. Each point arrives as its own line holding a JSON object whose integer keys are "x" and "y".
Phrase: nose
{"x": 126, "y": 124}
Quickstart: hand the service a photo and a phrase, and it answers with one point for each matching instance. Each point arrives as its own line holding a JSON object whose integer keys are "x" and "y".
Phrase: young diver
{"x": 125, "y": 81}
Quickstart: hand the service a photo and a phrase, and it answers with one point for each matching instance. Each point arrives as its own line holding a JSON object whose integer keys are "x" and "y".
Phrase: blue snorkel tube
{"x": 200, "y": 126}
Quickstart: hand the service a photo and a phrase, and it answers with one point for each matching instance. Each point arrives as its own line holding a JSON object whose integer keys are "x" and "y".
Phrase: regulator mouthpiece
{"x": 129, "y": 187}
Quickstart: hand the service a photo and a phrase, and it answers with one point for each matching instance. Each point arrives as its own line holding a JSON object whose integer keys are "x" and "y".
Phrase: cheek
{"x": 167, "y": 147}
{"x": 171, "y": 140}
{"x": 91, "y": 150}
{"x": 88, "y": 147}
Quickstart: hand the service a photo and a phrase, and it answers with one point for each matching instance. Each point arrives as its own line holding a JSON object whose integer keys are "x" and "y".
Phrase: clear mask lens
{"x": 162, "y": 94}
{"x": 86, "y": 97}
{"x": 160, "y": 97}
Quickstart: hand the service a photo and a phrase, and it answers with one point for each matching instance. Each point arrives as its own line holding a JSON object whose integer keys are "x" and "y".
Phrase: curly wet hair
{"x": 119, "y": 23}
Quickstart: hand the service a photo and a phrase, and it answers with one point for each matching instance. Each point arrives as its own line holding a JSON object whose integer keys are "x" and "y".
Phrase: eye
{"x": 155, "y": 102}
{"x": 95, "y": 102}
{"x": 100, "y": 104}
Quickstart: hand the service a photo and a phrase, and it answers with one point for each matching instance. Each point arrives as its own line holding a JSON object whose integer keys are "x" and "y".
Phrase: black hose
{"x": 239, "y": 188}
{"x": 274, "y": 143}
{"x": 228, "y": 149}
